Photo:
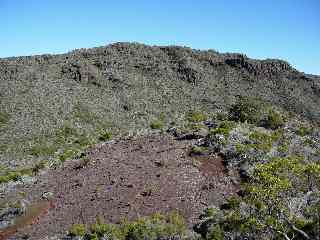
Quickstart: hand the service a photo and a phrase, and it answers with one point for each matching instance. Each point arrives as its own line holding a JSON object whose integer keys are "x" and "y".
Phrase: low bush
{"x": 77, "y": 230}
{"x": 8, "y": 175}
{"x": 198, "y": 150}
{"x": 274, "y": 120}
{"x": 261, "y": 141}
{"x": 196, "y": 116}
{"x": 105, "y": 135}
{"x": 246, "y": 110}
{"x": 224, "y": 128}
{"x": 68, "y": 153}
{"x": 304, "y": 131}
{"x": 42, "y": 149}
{"x": 154, "y": 227}
{"x": 4, "y": 118}
{"x": 157, "y": 124}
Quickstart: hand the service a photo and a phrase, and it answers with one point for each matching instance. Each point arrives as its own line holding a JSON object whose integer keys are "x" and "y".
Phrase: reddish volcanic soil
{"x": 128, "y": 179}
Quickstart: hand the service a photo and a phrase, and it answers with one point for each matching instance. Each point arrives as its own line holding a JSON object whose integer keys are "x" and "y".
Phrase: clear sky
{"x": 286, "y": 29}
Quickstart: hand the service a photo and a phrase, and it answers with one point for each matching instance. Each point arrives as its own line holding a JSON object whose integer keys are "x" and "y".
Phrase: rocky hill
{"x": 124, "y": 86}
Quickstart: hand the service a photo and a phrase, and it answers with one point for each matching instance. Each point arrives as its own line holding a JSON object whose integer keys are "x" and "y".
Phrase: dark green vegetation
{"x": 154, "y": 227}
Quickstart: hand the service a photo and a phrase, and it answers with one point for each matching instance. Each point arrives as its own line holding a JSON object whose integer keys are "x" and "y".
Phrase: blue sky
{"x": 286, "y": 29}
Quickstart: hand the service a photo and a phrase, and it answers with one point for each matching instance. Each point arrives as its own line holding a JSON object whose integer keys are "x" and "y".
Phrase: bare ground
{"x": 128, "y": 179}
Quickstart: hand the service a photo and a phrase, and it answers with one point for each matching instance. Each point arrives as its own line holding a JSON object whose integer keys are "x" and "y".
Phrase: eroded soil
{"x": 128, "y": 179}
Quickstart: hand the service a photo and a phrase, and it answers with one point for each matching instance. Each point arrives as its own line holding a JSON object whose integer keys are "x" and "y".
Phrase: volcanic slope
{"x": 122, "y": 87}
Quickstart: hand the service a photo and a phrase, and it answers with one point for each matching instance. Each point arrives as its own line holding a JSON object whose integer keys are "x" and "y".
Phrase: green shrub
{"x": 283, "y": 148}
{"x": 262, "y": 141}
{"x": 100, "y": 228}
{"x": 196, "y": 116}
{"x": 221, "y": 116}
{"x": 277, "y": 135}
{"x": 308, "y": 142}
{"x": 157, "y": 124}
{"x": 154, "y": 227}
{"x": 42, "y": 149}
{"x": 39, "y": 166}
{"x": 176, "y": 224}
{"x": 4, "y": 118}
{"x": 246, "y": 110}
{"x": 105, "y": 135}
{"x": 192, "y": 126}
{"x": 242, "y": 148}
{"x": 8, "y": 175}
{"x": 303, "y": 131}
{"x": 209, "y": 212}
{"x": 198, "y": 150}
{"x": 77, "y": 230}
{"x": 4, "y": 147}
{"x": 66, "y": 133}
{"x": 140, "y": 229}
{"x": 68, "y": 154}
{"x": 216, "y": 233}
{"x": 84, "y": 140}
{"x": 233, "y": 202}
{"x": 274, "y": 120}
{"x": 224, "y": 128}
{"x": 265, "y": 203}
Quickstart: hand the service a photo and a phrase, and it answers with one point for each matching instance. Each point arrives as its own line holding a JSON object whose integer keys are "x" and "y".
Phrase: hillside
{"x": 122, "y": 87}
{"x": 131, "y": 141}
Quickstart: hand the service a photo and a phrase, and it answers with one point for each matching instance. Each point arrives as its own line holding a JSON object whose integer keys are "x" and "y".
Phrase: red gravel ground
{"x": 128, "y": 179}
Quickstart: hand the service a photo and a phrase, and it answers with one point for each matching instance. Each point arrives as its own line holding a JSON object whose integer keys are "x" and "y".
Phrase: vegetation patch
{"x": 304, "y": 130}
{"x": 154, "y": 227}
{"x": 196, "y": 116}
{"x": 43, "y": 149}
{"x": 198, "y": 150}
{"x": 68, "y": 153}
{"x": 274, "y": 120}
{"x": 247, "y": 110}
{"x": 4, "y": 118}
{"x": 105, "y": 135}
{"x": 264, "y": 210}
{"x": 157, "y": 124}
{"x": 224, "y": 128}
{"x": 77, "y": 230}
{"x": 261, "y": 141}
{"x": 8, "y": 175}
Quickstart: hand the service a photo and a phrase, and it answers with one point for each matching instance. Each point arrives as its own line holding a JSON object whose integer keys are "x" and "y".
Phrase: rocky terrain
{"x": 130, "y": 141}
{"x": 123, "y": 87}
